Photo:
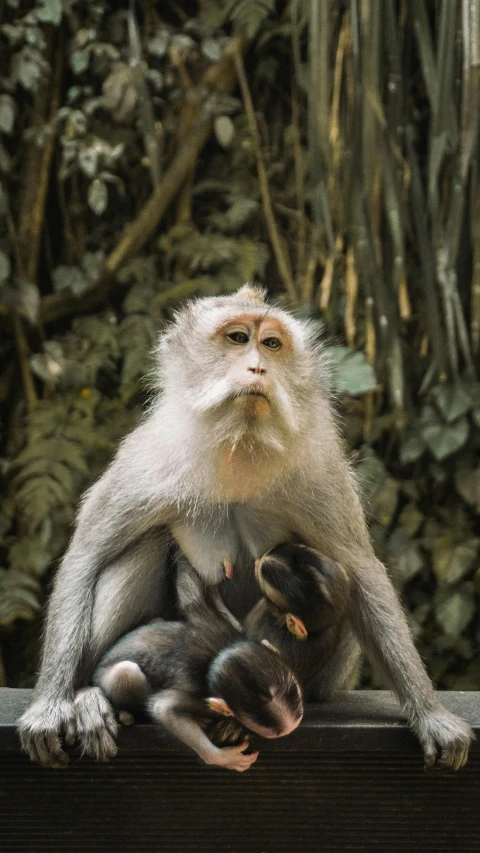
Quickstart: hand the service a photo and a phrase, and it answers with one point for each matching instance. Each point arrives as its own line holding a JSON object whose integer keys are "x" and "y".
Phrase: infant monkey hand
{"x": 233, "y": 757}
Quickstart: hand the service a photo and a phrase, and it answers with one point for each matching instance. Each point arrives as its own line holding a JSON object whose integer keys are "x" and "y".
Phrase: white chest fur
{"x": 228, "y": 534}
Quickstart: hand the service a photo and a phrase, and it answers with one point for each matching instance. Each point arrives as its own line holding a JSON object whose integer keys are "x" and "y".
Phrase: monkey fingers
{"x": 126, "y": 718}
{"x": 41, "y": 729}
{"x": 97, "y": 727}
{"x": 445, "y": 739}
{"x": 233, "y": 757}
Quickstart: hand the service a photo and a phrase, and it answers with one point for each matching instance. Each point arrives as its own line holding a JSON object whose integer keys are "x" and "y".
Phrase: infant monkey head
{"x": 257, "y": 687}
{"x": 299, "y": 582}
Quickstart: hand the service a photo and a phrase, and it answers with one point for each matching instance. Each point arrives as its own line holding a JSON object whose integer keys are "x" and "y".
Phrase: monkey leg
{"x": 124, "y": 684}
{"x": 130, "y": 592}
{"x": 84, "y": 620}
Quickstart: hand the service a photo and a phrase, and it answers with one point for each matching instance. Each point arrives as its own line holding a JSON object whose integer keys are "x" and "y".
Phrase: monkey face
{"x": 242, "y": 360}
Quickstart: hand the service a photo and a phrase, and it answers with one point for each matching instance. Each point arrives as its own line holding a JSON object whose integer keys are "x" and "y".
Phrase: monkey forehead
{"x": 199, "y": 318}
{"x": 294, "y": 333}
{"x": 259, "y": 323}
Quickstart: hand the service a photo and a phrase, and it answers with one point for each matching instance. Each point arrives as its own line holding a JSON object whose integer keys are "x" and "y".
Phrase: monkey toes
{"x": 42, "y": 728}
{"x": 96, "y": 724}
{"x": 445, "y": 739}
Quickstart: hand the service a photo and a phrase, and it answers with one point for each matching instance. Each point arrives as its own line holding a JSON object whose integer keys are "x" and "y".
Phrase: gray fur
{"x": 197, "y": 459}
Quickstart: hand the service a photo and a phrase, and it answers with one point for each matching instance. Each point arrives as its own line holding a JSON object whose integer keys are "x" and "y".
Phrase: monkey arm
{"x": 170, "y": 708}
{"x": 339, "y": 530}
{"x": 384, "y": 634}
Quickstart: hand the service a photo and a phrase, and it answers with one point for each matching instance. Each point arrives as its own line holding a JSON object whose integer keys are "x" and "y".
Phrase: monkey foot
{"x": 445, "y": 739}
{"x": 97, "y": 727}
{"x": 126, "y": 718}
{"x": 41, "y": 729}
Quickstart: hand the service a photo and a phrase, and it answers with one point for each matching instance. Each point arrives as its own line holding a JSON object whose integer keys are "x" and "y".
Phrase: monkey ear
{"x": 296, "y": 626}
{"x": 219, "y": 706}
{"x": 270, "y": 646}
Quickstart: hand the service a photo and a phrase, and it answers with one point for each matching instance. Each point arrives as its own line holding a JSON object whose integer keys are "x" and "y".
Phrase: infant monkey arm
{"x": 169, "y": 707}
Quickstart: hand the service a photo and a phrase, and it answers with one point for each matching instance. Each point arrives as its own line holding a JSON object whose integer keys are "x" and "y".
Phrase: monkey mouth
{"x": 253, "y": 391}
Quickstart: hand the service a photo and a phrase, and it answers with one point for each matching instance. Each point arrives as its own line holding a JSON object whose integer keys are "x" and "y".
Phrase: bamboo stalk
{"x": 278, "y": 251}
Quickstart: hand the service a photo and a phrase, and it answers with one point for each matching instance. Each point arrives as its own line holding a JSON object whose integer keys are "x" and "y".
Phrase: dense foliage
{"x": 324, "y": 147}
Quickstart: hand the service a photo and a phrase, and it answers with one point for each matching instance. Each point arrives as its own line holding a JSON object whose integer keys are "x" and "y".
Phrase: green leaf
{"x": 49, "y": 11}
{"x": 454, "y": 609}
{"x": 29, "y": 554}
{"x": 411, "y": 518}
{"x": 248, "y": 15}
{"x": 467, "y": 483}
{"x": 412, "y": 447}
{"x": 212, "y": 49}
{"x": 70, "y": 278}
{"x": 157, "y": 46}
{"x": 7, "y": 113}
{"x": 29, "y": 68}
{"x": 453, "y": 401}
{"x": 224, "y": 130}
{"x": 451, "y": 561}
{"x": 23, "y": 298}
{"x": 19, "y": 597}
{"x": 351, "y": 373}
{"x": 239, "y": 212}
{"x": 79, "y": 61}
{"x": 443, "y": 439}
{"x": 46, "y": 366}
{"x": 406, "y": 559}
{"x": 98, "y": 196}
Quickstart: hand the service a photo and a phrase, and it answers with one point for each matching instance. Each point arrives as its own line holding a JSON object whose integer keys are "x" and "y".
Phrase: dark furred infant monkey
{"x": 182, "y": 672}
{"x": 305, "y": 596}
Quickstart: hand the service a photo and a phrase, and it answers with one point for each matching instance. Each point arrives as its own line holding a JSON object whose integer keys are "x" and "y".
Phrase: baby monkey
{"x": 305, "y": 596}
{"x": 189, "y": 674}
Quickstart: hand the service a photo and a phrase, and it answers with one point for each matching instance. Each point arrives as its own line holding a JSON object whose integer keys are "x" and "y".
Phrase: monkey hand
{"x": 42, "y": 728}
{"x": 97, "y": 726}
{"x": 445, "y": 738}
{"x": 232, "y": 757}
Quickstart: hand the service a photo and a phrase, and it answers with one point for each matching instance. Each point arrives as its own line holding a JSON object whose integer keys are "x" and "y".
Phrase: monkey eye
{"x": 272, "y": 343}
{"x": 237, "y": 337}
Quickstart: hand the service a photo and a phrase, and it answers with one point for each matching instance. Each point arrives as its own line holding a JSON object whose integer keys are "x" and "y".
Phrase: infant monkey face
{"x": 258, "y": 688}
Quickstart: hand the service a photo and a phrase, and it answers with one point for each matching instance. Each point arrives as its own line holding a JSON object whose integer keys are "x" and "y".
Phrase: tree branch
{"x": 280, "y": 257}
{"x": 219, "y": 77}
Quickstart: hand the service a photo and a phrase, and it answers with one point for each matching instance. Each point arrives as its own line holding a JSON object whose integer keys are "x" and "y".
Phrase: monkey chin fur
{"x": 253, "y": 406}
{"x": 249, "y": 448}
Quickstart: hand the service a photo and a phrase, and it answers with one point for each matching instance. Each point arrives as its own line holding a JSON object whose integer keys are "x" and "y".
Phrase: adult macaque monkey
{"x": 240, "y": 452}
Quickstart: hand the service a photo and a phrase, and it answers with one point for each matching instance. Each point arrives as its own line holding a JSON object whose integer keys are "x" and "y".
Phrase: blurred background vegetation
{"x": 163, "y": 150}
